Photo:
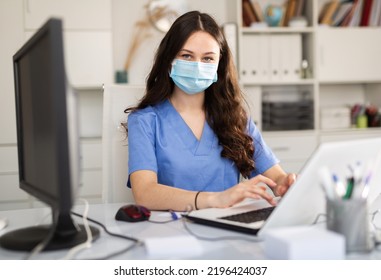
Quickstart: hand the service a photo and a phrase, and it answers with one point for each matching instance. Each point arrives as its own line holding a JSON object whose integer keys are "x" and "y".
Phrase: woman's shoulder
{"x": 147, "y": 113}
{"x": 251, "y": 126}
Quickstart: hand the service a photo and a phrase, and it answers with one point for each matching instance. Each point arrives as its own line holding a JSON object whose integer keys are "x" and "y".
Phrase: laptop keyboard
{"x": 251, "y": 216}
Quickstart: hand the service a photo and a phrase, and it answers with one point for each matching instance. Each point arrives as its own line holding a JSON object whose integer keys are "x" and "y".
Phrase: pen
{"x": 350, "y": 185}
{"x": 173, "y": 215}
{"x": 371, "y": 166}
{"x": 365, "y": 190}
{"x": 340, "y": 189}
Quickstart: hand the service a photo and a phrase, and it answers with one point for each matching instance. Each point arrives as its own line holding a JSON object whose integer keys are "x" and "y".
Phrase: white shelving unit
{"x": 344, "y": 67}
{"x": 348, "y": 72}
{"x": 278, "y": 77}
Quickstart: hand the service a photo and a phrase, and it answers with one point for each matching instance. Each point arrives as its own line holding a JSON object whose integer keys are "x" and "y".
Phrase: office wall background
{"x": 125, "y": 13}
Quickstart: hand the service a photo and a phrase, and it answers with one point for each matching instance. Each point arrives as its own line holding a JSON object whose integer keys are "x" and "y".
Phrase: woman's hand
{"x": 282, "y": 179}
{"x": 252, "y": 188}
{"x": 284, "y": 184}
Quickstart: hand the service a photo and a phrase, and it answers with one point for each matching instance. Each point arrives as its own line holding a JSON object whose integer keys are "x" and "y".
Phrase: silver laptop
{"x": 305, "y": 200}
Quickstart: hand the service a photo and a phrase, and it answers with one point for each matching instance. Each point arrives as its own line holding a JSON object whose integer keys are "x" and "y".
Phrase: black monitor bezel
{"x": 62, "y": 200}
{"x": 63, "y": 232}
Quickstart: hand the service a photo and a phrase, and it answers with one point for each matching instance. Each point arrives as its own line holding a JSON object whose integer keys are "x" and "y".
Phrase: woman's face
{"x": 200, "y": 47}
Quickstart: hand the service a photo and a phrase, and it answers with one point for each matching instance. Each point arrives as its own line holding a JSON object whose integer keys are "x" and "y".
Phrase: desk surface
{"x": 242, "y": 246}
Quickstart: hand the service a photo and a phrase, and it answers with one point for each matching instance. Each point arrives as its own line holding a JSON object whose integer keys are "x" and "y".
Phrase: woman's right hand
{"x": 252, "y": 188}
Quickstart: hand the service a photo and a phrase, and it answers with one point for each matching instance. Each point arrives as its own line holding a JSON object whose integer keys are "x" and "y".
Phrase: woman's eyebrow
{"x": 185, "y": 50}
{"x": 189, "y": 51}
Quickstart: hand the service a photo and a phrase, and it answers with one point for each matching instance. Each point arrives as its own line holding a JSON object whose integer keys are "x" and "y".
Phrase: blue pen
{"x": 173, "y": 215}
{"x": 365, "y": 190}
{"x": 340, "y": 189}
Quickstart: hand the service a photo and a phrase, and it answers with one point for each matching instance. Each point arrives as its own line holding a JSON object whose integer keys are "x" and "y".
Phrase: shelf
{"x": 346, "y": 82}
{"x": 356, "y": 28}
{"x": 284, "y": 30}
{"x": 88, "y": 87}
{"x": 307, "y": 132}
{"x": 369, "y": 130}
{"x": 280, "y": 83}
{"x": 91, "y": 138}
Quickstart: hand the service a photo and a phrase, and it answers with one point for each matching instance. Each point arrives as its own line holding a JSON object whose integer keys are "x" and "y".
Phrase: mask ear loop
{"x": 170, "y": 69}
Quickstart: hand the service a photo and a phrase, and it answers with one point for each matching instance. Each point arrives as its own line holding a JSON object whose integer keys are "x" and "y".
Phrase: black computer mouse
{"x": 132, "y": 213}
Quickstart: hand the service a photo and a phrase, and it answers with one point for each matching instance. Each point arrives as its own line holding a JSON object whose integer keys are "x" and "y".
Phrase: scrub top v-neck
{"x": 159, "y": 140}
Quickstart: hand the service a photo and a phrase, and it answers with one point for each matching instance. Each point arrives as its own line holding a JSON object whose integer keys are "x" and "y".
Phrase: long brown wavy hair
{"x": 223, "y": 103}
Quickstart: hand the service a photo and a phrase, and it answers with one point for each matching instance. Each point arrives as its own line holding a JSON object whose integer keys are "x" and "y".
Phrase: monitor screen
{"x": 47, "y": 139}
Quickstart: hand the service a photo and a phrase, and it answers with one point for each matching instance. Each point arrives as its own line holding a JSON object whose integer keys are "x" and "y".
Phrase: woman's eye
{"x": 208, "y": 59}
{"x": 186, "y": 56}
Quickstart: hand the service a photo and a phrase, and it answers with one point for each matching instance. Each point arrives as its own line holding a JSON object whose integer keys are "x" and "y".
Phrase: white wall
{"x": 125, "y": 13}
{"x": 11, "y": 24}
{"x": 124, "y": 16}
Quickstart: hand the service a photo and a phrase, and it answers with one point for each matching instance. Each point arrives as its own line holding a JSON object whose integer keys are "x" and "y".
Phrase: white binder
{"x": 255, "y": 62}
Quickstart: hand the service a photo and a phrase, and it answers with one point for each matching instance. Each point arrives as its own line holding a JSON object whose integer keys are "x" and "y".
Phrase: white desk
{"x": 106, "y": 244}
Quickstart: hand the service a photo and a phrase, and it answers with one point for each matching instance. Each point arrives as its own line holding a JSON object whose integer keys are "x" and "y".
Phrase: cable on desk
{"x": 174, "y": 217}
{"x": 316, "y": 221}
{"x": 377, "y": 230}
{"x": 87, "y": 243}
{"x": 136, "y": 241}
{"x": 41, "y": 246}
{"x": 252, "y": 239}
{"x": 106, "y": 230}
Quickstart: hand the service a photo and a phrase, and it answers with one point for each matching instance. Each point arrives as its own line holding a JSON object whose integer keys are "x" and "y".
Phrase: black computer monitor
{"x": 47, "y": 140}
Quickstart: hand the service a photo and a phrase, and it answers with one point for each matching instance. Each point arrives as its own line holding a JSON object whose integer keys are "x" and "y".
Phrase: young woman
{"x": 190, "y": 137}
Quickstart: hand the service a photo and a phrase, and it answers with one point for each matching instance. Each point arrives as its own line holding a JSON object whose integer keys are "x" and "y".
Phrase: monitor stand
{"x": 66, "y": 235}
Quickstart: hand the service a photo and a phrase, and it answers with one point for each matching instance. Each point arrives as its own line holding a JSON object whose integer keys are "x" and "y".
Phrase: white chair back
{"x": 116, "y": 98}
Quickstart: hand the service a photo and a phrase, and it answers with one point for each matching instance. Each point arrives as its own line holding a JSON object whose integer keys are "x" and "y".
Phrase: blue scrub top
{"x": 159, "y": 140}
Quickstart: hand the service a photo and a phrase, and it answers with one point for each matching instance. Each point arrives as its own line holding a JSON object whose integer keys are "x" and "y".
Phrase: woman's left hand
{"x": 284, "y": 184}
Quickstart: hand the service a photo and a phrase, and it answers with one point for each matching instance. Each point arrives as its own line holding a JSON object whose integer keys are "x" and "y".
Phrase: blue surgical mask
{"x": 193, "y": 77}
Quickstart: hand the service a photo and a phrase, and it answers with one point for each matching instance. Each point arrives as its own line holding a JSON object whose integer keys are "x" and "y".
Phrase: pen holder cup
{"x": 350, "y": 218}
